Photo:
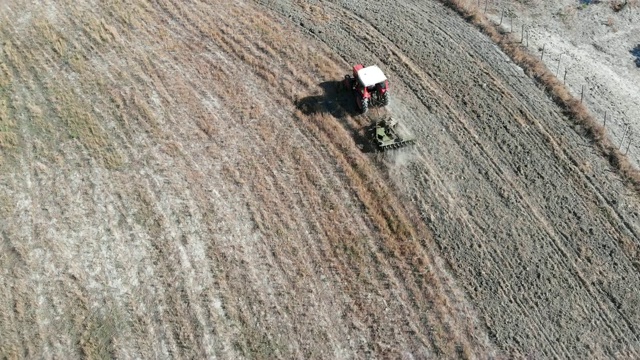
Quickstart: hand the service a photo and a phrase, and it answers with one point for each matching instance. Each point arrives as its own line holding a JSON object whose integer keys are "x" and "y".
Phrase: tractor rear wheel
{"x": 385, "y": 99}
{"x": 365, "y": 106}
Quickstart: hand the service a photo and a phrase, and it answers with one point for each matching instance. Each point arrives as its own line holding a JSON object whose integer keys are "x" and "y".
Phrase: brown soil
{"x": 187, "y": 180}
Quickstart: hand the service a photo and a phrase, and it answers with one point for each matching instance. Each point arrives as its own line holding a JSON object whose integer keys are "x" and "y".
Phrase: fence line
{"x": 507, "y": 19}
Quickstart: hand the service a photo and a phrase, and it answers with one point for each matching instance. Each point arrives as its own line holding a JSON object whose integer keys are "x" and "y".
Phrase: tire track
{"x": 416, "y": 72}
{"x": 365, "y": 33}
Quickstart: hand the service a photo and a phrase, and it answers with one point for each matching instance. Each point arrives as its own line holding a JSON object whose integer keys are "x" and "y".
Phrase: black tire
{"x": 365, "y": 106}
{"x": 346, "y": 83}
{"x": 385, "y": 99}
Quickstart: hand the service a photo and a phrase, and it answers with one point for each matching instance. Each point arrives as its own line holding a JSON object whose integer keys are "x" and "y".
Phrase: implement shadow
{"x": 339, "y": 102}
{"x": 636, "y": 52}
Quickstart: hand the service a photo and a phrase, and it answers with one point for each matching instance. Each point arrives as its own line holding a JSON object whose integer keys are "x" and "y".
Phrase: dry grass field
{"x": 163, "y": 197}
{"x": 184, "y": 179}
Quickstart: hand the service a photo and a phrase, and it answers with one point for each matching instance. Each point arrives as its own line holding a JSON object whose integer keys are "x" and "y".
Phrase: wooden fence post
{"x": 624, "y": 134}
{"x": 628, "y": 146}
{"x": 511, "y": 27}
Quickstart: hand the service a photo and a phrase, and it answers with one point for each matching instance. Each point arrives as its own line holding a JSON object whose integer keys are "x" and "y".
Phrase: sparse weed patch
{"x": 610, "y": 21}
{"x": 5, "y": 77}
{"x": 636, "y": 53}
{"x": 618, "y": 5}
{"x": 83, "y": 125}
{"x": 8, "y": 127}
{"x": 98, "y": 335}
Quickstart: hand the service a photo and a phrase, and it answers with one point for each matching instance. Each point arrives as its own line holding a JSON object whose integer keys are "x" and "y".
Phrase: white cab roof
{"x": 371, "y": 75}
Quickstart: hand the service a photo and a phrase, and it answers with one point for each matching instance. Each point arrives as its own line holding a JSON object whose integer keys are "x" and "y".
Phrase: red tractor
{"x": 370, "y": 86}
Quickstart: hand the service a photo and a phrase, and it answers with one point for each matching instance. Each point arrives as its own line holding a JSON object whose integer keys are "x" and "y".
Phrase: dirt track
{"x": 151, "y": 208}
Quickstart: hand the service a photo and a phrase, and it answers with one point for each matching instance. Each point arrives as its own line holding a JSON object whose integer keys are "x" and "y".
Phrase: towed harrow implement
{"x": 387, "y": 137}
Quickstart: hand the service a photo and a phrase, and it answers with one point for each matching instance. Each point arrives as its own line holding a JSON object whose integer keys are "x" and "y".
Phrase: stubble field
{"x": 186, "y": 180}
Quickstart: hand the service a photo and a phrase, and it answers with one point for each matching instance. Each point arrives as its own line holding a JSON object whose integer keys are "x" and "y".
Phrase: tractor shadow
{"x": 636, "y": 52}
{"x": 339, "y": 102}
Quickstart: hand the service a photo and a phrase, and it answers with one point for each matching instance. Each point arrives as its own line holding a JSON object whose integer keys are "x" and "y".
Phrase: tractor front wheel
{"x": 347, "y": 82}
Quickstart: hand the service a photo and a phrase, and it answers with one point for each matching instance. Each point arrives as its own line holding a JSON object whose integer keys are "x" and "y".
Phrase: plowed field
{"x": 187, "y": 179}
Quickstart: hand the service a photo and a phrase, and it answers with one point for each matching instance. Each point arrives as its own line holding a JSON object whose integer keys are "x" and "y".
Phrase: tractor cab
{"x": 370, "y": 77}
{"x": 370, "y": 85}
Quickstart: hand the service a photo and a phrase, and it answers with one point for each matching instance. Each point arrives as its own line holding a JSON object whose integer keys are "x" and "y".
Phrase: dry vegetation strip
{"x": 124, "y": 82}
{"x": 8, "y": 126}
{"x": 400, "y": 241}
{"x": 534, "y": 67}
{"x": 381, "y": 209}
